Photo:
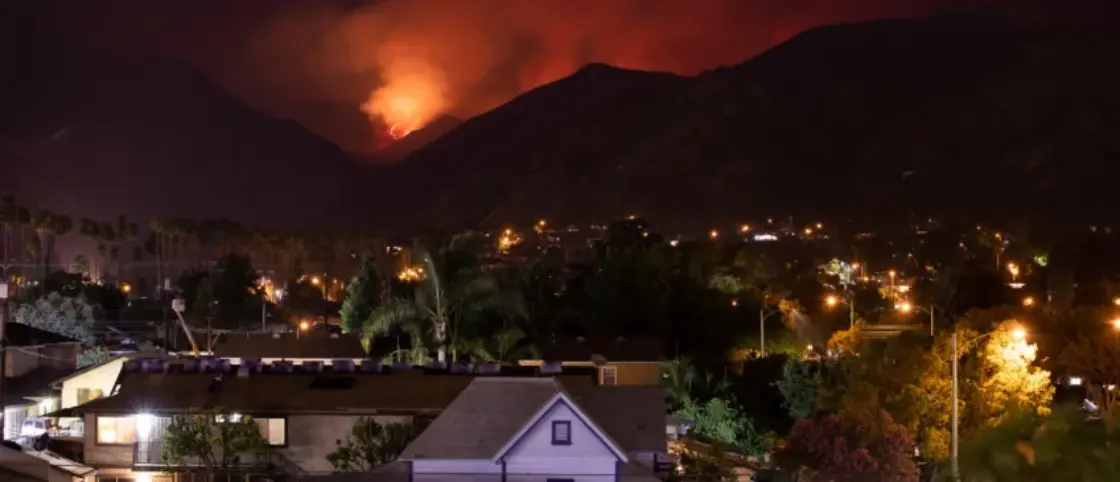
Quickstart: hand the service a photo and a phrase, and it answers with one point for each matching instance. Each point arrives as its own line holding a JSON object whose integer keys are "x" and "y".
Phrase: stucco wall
{"x": 311, "y": 437}
{"x": 587, "y": 454}
{"x": 102, "y": 378}
{"x": 103, "y": 455}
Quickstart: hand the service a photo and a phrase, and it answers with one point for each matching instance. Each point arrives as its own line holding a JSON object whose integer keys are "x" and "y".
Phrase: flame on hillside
{"x": 412, "y": 94}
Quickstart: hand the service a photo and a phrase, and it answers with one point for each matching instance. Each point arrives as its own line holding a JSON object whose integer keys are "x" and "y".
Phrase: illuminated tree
{"x": 1010, "y": 380}
{"x": 215, "y": 439}
{"x": 800, "y": 387}
{"x": 370, "y": 445}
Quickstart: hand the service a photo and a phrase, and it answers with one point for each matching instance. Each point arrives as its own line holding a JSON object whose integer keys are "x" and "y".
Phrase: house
{"x": 539, "y": 429}
{"x": 41, "y": 466}
{"x": 620, "y": 361}
{"x": 32, "y": 360}
{"x": 295, "y": 347}
{"x": 301, "y": 409}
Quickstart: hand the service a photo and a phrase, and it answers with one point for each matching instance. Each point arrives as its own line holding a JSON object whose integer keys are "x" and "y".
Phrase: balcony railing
{"x": 150, "y": 455}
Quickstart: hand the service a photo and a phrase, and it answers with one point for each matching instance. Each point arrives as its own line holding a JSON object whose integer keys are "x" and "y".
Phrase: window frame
{"x": 255, "y": 418}
{"x": 97, "y": 430}
{"x": 567, "y": 424}
{"x": 613, "y": 370}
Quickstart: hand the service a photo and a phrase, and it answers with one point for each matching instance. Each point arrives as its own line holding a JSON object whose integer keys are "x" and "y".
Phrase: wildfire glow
{"x": 413, "y": 93}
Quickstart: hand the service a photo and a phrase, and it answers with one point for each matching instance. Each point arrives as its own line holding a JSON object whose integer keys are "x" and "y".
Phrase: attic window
{"x": 332, "y": 383}
{"x": 561, "y": 432}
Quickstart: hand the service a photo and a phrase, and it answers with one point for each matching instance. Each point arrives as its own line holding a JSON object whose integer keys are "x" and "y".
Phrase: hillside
{"x": 97, "y": 136}
{"x": 959, "y": 116}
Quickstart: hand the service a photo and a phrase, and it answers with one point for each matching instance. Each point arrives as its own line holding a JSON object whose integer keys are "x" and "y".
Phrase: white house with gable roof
{"x": 532, "y": 429}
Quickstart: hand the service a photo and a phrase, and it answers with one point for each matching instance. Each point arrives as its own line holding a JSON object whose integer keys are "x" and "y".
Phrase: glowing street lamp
{"x": 713, "y": 234}
{"x": 1116, "y": 324}
{"x": 1028, "y": 301}
{"x": 907, "y": 307}
{"x": 1116, "y": 301}
{"x": 832, "y": 300}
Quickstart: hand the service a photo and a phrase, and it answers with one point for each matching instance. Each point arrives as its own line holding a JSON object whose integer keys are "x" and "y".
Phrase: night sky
{"x": 318, "y": 61}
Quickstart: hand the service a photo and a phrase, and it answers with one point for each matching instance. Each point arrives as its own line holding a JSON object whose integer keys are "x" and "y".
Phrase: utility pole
{"x": 4, "y": 311}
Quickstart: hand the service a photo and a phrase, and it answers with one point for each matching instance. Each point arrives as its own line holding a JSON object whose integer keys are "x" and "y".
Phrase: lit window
{"x": 273, "y": 430}
{"x": 561, "y": 432}
{"x": 222, "y": 418}
{"x": 88, "y": 394}
{"x": 608, "y": 376}
{"x": 116, "y": 430}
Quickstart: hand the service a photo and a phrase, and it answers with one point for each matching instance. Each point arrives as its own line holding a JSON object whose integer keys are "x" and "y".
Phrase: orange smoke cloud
{"x": 412, "y": 94}
{"x": 405, "y": 62}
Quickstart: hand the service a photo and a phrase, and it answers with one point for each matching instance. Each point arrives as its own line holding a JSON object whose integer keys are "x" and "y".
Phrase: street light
{"x": 833, "y": 300}
{"x": 1017, "y": 334}
{"x": 1028, "y": 301}
{"x": 1116, "y": 324}
{"x": 762, "y": 316}
{"x": 906, "y": 307}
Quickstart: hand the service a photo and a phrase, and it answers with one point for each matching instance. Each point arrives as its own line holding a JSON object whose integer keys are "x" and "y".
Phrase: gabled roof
{"x": 19, "y": 334}
{"x": 33, "y": 384}
{"x": 311, "y": 345}
{"x": 635, "y": 416}
{"x": 563, "y": 398}
{"x": 482, "y": 419}
{"x": 491, "y": 415}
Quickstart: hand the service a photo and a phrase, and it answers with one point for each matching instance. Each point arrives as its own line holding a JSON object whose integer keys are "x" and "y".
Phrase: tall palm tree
{"x": 48, "y": 226}
{"x": 9, "y": 220}
{"x": 455, "y": 296}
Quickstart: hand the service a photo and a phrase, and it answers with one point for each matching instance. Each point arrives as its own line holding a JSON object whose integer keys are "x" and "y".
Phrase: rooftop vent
{"x": 436, "y": 365}
{"x": 282, "y": 366}
{"x": 598, "y": 360}
{"x": 224, "y": 366}
{"x": 490, "y": 367}
{"x": 132, "y": 366}
{"x": 370, "y": 366}
{"x": 334, "y": 335}
{"x": 402, "y": 366}
{"x": 206, "y": 364}
{"x": 312, "y": 366}
{"x": 190, "y": 364}
{"x": 461, "y": 368}
{"x": 253, "y": 364}
{"x": 342, "y": 365}
{"x": 551, "y": 368}
{"x": 276, "y": 336}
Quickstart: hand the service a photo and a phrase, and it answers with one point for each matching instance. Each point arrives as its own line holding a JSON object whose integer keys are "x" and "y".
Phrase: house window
{"x": 561, "y": 432}
{"x": 273, "y": 430}
{"x": 608, "y": 376}
{"x": 116, "y": 430}
{"x": 88, "y": 394}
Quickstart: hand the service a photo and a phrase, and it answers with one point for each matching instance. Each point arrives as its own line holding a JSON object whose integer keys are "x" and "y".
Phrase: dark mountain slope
{"x": 560, "y": 131}
{"x": 150, "y": 137}
{"x": 951, "y": 116}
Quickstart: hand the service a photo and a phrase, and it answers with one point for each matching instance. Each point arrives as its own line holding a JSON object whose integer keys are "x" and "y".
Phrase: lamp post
{"x": 906, "y": 307}
{"x": 954, "y": 442}
{"x": 762, "y": 316}
{"x": 833, "y": 300}
{"x": 3, "y": 343}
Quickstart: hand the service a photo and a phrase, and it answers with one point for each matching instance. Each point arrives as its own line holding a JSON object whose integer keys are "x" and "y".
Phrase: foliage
{"x": 709, "y": 464}
{"x": 1097, "y": 359}
{"x": 1010, "y": 379}
{"x": 863, "y": 445}
{"x": 800, "y": 386}
{"x": 677, "y": 378}
{"x": 902, "y": 376}
{"x": 71, "y": 317}
{"x": 362, "y": 295}
{"x": 847, "y": 342}
{"x": 721, "y": 419}
{"x": 370, "y": 445}
{"x": 1027, "y": 447}
{"x": 216, "y": 439}
{"x": 451, "y": 305}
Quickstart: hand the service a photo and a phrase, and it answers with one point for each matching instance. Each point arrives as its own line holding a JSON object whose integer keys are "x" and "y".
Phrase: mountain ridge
{"x": 877, "y": 133}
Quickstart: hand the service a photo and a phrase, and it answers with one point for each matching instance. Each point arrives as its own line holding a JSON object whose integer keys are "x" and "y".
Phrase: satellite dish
{"x": 179, "y": 305}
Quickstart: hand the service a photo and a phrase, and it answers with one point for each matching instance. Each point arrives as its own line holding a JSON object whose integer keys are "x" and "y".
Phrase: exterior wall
{"x": 36, "y": 468}
{"x": 19, "y": 362}
{"x": 13, "y": 420}
{"x": 98, "y": 455}
{"x": 437, "y": 467}
{"x": 101, "y": 378}
{"x": 311, "y": 437}
{"x": 638, "y": 373}
{"x": 587, "y": 455}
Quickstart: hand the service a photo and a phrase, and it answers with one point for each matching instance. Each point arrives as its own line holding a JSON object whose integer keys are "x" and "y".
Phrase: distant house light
{"x": 1075, "y": 381}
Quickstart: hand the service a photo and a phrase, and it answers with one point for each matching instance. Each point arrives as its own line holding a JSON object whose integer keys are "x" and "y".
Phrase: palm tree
{"x": 9, "y": 219}
{"x": 48, "y": 226}
{"x": 454, "y": 297}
